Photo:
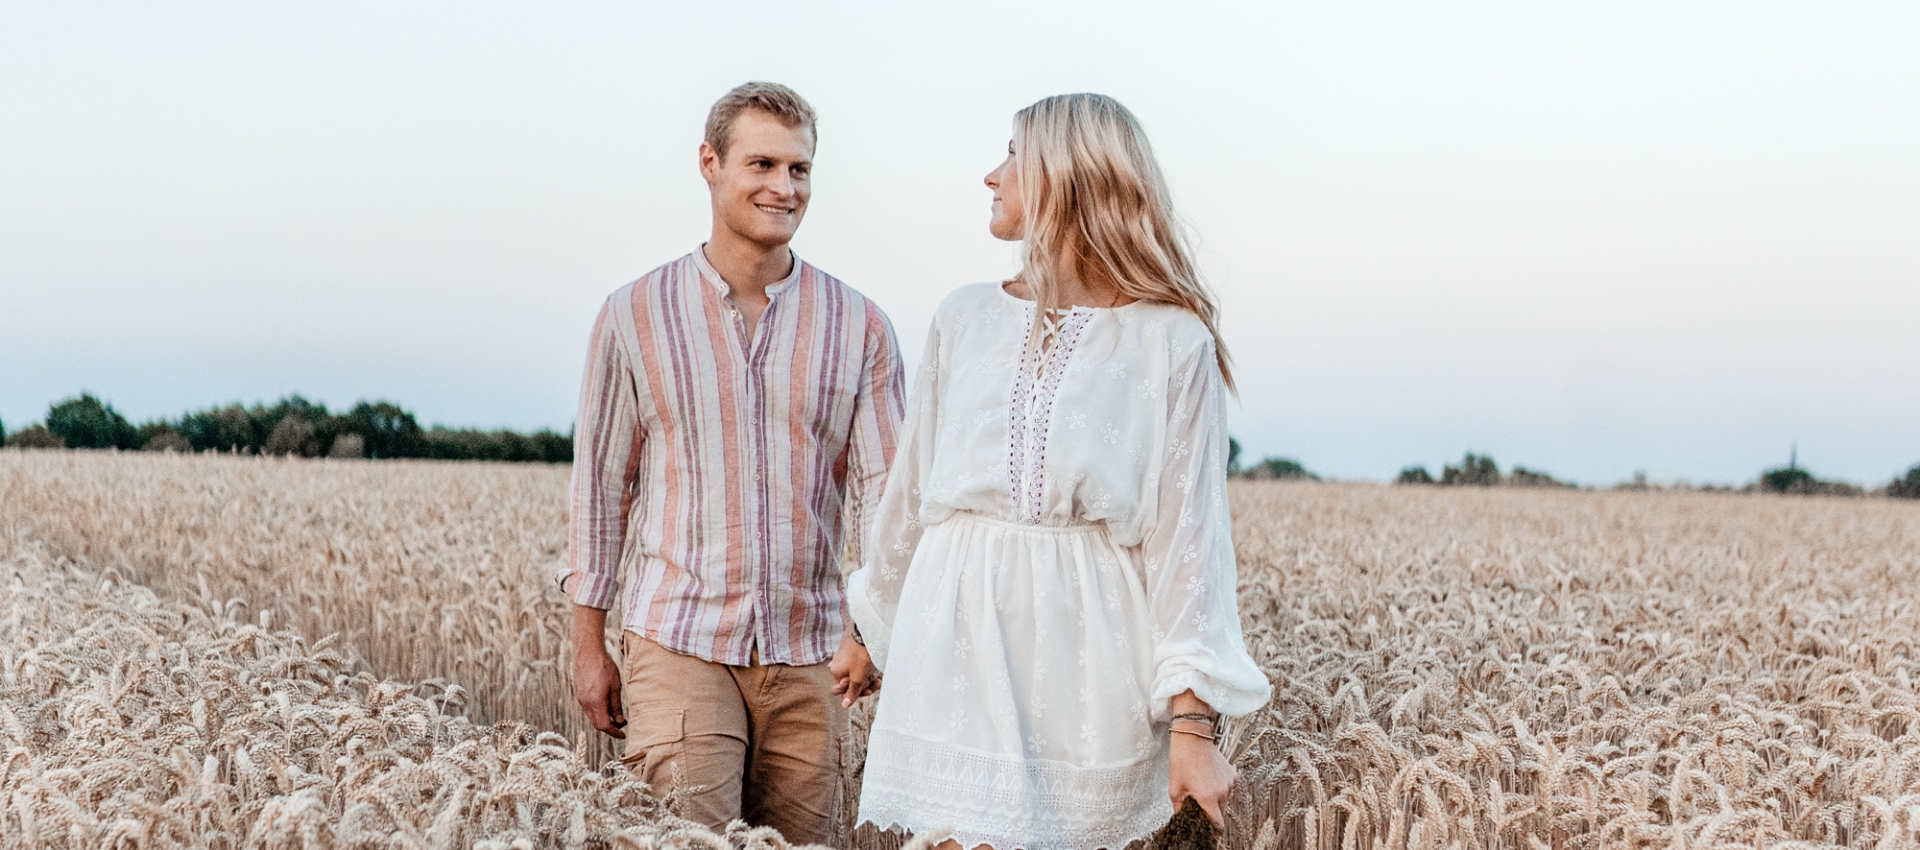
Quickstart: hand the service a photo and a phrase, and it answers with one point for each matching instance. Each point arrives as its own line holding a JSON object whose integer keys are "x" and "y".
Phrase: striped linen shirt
{"x": 712, "y": 468}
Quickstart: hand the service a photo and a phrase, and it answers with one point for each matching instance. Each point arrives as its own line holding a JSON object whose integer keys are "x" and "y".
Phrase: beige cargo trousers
{"x": 761, "y": 743}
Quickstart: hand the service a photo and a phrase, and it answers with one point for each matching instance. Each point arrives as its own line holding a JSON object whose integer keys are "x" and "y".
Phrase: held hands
{"x": 854, "y": 675}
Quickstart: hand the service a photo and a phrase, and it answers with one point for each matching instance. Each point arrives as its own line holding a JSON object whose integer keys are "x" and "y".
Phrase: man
{"x": 737, "y": 402}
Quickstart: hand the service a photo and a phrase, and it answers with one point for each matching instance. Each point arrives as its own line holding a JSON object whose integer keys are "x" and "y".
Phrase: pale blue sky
{"x": 1586, "y": 238}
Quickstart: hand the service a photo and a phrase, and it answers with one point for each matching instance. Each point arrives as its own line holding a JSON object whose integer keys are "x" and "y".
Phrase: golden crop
{"x": 1452, "y": 668}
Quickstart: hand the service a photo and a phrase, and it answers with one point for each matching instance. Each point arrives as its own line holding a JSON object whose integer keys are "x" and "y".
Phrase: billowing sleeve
{"x": 606, "y": 443}
{"x": 873, "y": 590}
{"x": 1188, "y": 554}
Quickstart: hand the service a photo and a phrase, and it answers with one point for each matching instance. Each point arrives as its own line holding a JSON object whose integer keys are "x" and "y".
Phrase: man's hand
{"x": 596, "y": 678}
{"x": 854, "y": 675}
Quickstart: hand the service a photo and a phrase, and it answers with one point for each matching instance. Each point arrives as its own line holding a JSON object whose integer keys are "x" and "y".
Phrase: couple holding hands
{"x": 1038, "y": 534}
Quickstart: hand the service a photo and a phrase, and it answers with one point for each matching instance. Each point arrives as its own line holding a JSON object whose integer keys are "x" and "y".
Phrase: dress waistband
{"x": 983, "y": 519}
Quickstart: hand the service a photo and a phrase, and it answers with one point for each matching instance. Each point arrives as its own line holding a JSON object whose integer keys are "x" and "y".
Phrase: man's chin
{"x": 768, "y": 237}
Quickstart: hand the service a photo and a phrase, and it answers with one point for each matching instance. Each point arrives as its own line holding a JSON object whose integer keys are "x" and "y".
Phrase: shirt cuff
{"x": 589, "y": 589}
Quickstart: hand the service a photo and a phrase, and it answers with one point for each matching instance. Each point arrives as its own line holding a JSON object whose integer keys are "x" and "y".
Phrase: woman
{"x": 1050, "y": 584}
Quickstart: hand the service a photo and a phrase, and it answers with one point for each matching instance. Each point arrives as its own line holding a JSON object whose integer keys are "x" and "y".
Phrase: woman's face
{"x": 1009, "y": 220}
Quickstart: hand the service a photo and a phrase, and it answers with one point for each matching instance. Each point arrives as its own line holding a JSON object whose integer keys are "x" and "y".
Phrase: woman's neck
{"x": 1074, "y": 290}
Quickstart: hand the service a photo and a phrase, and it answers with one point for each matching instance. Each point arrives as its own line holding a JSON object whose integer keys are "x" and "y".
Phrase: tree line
{"x": 1477, "y": 470}
{"x": 292, "y": 426}
{"x": 383, "y": 429}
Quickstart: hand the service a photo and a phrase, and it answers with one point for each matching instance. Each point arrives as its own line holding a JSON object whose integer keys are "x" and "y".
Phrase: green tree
{"x": 222, "y": 429}
{"x": 1787, "y": 479}
{"x": 1524, "y": 477}
{"x": 1281, "y": 469}
{"x": 85, "y": 422}
{"x": 1233, "y": 456}
{"x": 1414, "y": 475}
{"x": 1474, "y": 471}
{"x": 389, "y": 430}
{"x": 3, "y": 434}
{"x": 1907, "y": 487}
{"x": 554, "y": 448}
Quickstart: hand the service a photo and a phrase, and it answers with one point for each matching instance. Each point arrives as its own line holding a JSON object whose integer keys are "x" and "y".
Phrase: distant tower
{"x": 1793, "y": 455}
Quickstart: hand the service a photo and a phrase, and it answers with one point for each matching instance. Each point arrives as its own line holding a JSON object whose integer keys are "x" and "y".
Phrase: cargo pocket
{"x": 654, "y": 738}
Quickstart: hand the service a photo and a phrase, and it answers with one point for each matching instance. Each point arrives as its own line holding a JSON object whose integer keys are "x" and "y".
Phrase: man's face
{"x": 760, "y": 189}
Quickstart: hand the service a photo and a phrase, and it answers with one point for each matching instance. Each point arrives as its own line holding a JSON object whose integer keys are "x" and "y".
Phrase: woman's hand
{"x": 854, "y": 675}
{"x": 1197, "y": 769}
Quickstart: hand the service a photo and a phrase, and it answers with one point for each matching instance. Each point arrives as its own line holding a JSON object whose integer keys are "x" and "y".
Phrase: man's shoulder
{"x": 651, "y": 282}
{"x": 837, "y": 289}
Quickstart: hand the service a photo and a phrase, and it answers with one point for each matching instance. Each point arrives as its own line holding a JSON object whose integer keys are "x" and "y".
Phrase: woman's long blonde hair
{"x": 1090, "y": 189}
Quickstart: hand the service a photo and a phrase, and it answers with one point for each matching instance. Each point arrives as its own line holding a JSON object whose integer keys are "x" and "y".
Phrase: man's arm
{"x": 596, "y": 678}
{"x": 878, "y": 410}
{"x": 605, "y": 443}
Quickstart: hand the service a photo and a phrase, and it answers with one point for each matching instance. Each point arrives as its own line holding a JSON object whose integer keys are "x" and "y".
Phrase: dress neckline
{"x": 1028, "y": 303}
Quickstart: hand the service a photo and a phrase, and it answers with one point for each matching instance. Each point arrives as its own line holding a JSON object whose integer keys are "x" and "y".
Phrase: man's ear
{"x": 709, "y": 163}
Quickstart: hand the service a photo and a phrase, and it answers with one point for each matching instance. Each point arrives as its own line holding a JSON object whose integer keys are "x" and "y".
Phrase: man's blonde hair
{"x": 1091, "y": 189}
{"x": 784, "y": 104}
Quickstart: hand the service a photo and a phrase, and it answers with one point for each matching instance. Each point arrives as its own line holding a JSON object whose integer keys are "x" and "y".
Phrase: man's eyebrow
{"x": 776, "y": 158}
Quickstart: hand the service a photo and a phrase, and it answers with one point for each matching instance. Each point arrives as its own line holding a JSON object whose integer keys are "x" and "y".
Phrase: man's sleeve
{"x": 606, "y": 440}
{"x": 878, "y": 410}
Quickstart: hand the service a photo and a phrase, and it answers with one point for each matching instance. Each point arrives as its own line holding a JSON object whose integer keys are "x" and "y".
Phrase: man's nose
{"x": 782, "y": 183}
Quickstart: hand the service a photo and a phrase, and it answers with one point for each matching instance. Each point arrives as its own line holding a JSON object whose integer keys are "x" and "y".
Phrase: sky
{"x": 1678, "y": 238}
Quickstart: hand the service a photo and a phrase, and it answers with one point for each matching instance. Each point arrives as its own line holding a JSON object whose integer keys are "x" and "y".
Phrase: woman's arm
{"x": 878, "y": 411}
{"x": 1201, "y": 662}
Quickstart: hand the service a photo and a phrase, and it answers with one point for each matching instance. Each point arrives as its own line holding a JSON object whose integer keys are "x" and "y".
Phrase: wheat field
{"x": 247, "y": 652}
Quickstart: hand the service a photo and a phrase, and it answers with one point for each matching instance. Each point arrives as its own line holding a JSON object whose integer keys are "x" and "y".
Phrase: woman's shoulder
{"x": 1175, "y": 326}
{"x": 967, "y": 301}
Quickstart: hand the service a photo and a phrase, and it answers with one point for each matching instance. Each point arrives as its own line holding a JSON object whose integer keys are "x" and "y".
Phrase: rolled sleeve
{"x": 605, "y": 444}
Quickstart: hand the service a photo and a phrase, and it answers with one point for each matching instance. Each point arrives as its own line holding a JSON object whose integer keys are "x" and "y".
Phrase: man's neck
{"x": 748, "y": 267}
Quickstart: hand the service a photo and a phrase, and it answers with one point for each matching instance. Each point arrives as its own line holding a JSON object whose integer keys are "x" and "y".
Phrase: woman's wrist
{"x": 1193, "y": 724}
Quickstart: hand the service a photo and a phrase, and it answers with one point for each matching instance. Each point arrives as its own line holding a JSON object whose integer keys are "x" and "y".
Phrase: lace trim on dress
{"x": 1030, "y": 408}
{"x": 1008, "y": 802}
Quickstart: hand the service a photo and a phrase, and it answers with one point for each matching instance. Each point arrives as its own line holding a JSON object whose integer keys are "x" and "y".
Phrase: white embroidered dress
{"x": 1050, "y": 563}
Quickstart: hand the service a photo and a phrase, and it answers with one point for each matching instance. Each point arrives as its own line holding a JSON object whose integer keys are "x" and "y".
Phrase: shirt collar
{"x": 719, "y": 283}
